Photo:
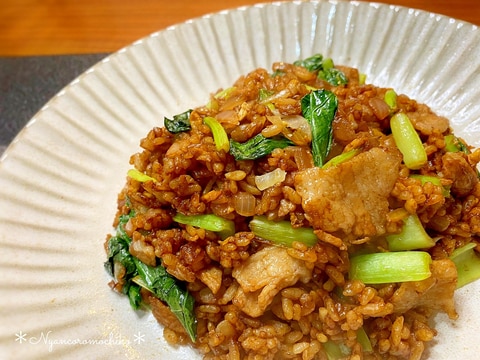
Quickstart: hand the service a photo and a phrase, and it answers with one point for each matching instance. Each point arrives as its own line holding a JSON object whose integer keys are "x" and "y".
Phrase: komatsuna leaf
{"x": 257, "y": 147}
{"x": 179, "y": 123}
{"x": 168, "y": 289}
{"x": 319, "y": 108}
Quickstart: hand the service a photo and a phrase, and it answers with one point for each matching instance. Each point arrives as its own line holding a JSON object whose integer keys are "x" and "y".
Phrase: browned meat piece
{"x": 427, "y": 122}
{"x": 456, "y": 168}
{"x": 432, "y": 294}
{"x": 263, "y": 275}
{"x": 350, "y": 199}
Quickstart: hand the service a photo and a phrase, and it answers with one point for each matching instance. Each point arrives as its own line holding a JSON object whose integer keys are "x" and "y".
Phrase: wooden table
{"x": 47, "y": 27}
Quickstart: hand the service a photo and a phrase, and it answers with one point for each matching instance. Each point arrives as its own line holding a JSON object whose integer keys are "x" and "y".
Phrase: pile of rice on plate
{"x": 262, "y": 225}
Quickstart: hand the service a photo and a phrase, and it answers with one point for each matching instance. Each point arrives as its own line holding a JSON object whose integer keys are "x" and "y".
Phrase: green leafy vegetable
{"x": 467, "y": 263}
{"x": 312, "y": 63}
{"x": 332, "y": 75}
{"x": 210, "y": 222}
{"x": 179, "y": 123}
{"x": 166, "y": 288}
{"x": 118, "y": 255}
{"x": 319, "y": 108}
{"x": 281, "y": 232}
{"x": 220, "y": 136}
{"x": 408, "y": 141}
{"x": 134, "y": 296}
{"x": 156, "y": 279}
{"x": 325, "y": 68}
{"x": 390, "y": 267}
{"x": 412, "y": 236}
{"x": 257, "y": 147}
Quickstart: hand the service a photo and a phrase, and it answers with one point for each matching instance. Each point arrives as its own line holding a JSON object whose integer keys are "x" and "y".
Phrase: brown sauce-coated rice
{"x": 193, "y": 177}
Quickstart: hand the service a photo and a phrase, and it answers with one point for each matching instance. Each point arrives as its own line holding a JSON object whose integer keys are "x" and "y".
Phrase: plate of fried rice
{"x": 291, "y": 180}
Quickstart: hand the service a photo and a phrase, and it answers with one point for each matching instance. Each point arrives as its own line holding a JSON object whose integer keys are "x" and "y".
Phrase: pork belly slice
{"x": 350, "y": 200}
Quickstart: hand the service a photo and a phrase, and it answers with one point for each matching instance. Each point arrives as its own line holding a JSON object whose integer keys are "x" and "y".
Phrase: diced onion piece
{"x": 244, "y": 203}
{"x": 408, "y": 141}
{"x": 303, "y": 157}
{"x": 270, "y": 179}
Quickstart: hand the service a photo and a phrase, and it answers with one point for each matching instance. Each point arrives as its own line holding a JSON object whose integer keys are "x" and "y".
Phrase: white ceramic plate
{"x": 60, "y": 177}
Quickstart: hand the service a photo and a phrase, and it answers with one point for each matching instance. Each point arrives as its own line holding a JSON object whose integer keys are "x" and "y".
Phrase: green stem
{"x": 390, "y": 267}
{"x": 412, "y": 236}
{"x": 281, "y": 232}
{"x": 408, "y": 141}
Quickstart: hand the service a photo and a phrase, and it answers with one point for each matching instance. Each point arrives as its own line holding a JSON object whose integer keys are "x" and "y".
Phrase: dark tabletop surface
{"x": 27, "y": 83}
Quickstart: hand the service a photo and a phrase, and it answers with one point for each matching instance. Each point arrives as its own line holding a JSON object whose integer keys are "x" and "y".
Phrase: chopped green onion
{"x": 341, "y": 158}
{"x": 220, "y": 136}
{"x": 211, "y": 222}
{"x": 408, "y": 141}
{"x": 431, "y": 179}
{"x": 391, "y": 99}
{"x": 281, "y": 232}
{"x": 412, "y": 237}
{"x": 139, "y": 176}
{"x": 390, "y": 267}
{"x": 467, "y": 263}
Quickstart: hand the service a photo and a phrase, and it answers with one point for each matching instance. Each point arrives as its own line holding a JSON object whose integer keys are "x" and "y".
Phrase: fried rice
{"x": 255, "y": 299}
